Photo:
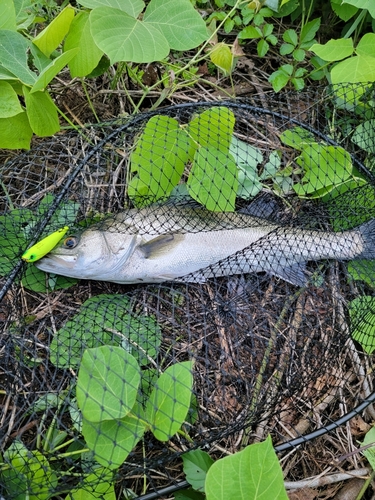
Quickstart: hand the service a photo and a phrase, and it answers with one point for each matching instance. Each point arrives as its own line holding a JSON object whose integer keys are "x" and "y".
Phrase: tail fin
{"x": 367, "y": 231}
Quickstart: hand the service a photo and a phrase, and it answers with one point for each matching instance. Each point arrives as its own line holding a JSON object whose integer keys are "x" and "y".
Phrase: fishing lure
{"x": 44, "y": 246}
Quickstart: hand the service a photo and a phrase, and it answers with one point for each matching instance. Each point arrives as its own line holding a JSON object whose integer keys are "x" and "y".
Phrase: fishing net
{"x": 106, "y": 383}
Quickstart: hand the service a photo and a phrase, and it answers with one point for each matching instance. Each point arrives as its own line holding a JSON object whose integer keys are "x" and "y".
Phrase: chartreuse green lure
{"x": 44, "y": 246}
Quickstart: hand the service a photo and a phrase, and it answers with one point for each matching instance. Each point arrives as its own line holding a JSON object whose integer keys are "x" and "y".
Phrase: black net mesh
{"x": 225, "y": 255}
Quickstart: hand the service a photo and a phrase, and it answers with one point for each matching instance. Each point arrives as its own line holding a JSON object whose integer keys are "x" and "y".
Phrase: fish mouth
{"x": 54, "y": 264}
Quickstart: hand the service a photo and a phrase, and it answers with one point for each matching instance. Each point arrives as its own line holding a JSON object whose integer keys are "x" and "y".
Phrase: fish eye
{"x": 70, "y": 242}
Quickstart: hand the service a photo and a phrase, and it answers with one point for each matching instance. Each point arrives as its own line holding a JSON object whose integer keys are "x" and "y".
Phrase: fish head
{"x": 91, "y": 254}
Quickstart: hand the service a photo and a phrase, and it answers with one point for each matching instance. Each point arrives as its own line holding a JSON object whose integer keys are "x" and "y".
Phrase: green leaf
{"x": 169, "y": 401}
{"x": 299, "y": 55}
{"x": 42, "y": 113}
{"x": 222, "y": 57}
{"x": 188, "y": 495}
{"x": 309, "y": 30}
{"x": 213, "y": 179}
{"x": 8, "y": 15}
{"x": 52, "y": 70}
{"x": 196, "y": 466}
{"x": 362, "y": 318}
{"x": 180, "y": 23}
{"x": 50, "y": 38}
{"x": 363, "y": 4}
{"x": 334, "y": 50}
{"x": 286, "y": 48}
{"x": 15, "y": 132}
{"x": 113, "y": 440}
{"x": 363, "y": 270}
{"x": 355, "y": 69}
{"x": 36, "y": 280}
{"x": 290, "y": 36}
{"x": 13, "y": 56}
{"x": 159, "y": 159}
{"x": 29, "y": 473}
{"x": 214, "y": 127}
{"x": 343, "y": 11}
{"x": 324, "y": 167}
{"x": 272, "y": 166}
{"x": 124, "y": 38}
{"x": 278, "y": 79}
{"x": 95, "y": 486}
{"x": 298, "y": 83}
{"x": 364, "y": 136}
{"x": 104, "y": 320}
{"x": 262, "y": 48}
{"x": 250, "y": 32}
{"x": 131, "y": 7}
{"x": 252, "y": 473}
{"x": 366, "y": 45}
{"x": 297, "y": 137}
{"x": 369, "y": 453}
{"x": 9, "y": 102}
{"x": 88, "y": 55}
{"x": 107, "y": 384}
{"x": 247, "y": 159}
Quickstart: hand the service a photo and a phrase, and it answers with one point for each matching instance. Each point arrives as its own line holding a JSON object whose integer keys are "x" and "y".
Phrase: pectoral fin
{"x": 160, "y": 245}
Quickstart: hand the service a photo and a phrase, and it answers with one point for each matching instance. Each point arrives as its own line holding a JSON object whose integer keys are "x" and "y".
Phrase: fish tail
{"x": 367, "y": 231}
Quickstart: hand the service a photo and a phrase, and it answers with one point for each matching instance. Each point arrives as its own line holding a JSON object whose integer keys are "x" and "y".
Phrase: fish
{"x": 186, "y": 243}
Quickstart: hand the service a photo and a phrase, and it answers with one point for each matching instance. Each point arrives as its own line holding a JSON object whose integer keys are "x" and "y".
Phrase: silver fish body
{"x": 183, "y": 243}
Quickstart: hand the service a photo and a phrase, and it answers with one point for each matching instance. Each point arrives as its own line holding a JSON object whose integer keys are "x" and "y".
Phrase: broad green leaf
{"x": 252, "y": 473}
{"x": 343, "y": 11}
{"x": 213, "y": 179}
{"x": 159, "y": 160}
{"x": 324, "y": 167}
{"x": 214, "y": 127}
{"x": 196, "y": 466}
{"x": 334, "y": 50}
{"x": 104, "y": 320}
{"x": 363, "y": 270}
{"x": 363, "y": 4}
{"x": 113, "y": 440}
{"x": 362, "y": 319}
{"x": 80, "y": 37}
{"x": 297, "y": 137}
{"x": 95, "y": 486}
{"x": 15, "y": 132}
{"x": 29, "y": 473}
{"x": 222, "y": 57}
{"x": 180, "y": 23}
{"x": 13, "y": 56}
{"x": 309, "y": 30}
{"x": 189, "y": 495}
{"x": 247, "y": 159}
{"x": 8, "y": 15}
{"x": 272, "y": 166}
{"x": 9, "y": 102}
{"x": 124, "y": 38}
{"x": 36, "y": 280}
{"x": 169, "y": 401}
{"x": 131, "y": 7}
{"x": 364, "y": 136}
{"x": 50, "y": 38}
{"x": 355, "y": 69}
{"x": 286, "y": 48}
{"x": 107, "y": 385}
{"x": 53, "y": 69}
{"x": 366, "y": 45}
{"x": 42, "y": 113}
{"x": 369, "y": 453}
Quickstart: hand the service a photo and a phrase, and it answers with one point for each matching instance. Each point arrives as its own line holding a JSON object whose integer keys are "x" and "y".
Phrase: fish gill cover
{"x": 216, "y": 285}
